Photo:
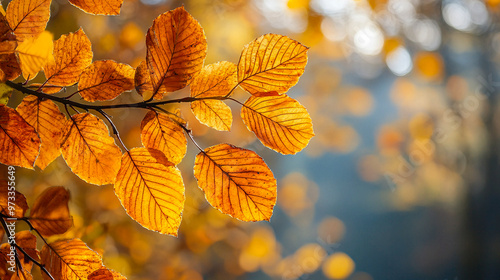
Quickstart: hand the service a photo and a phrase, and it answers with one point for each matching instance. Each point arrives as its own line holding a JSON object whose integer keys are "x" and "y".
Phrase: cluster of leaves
{"x": 146, "y": 180}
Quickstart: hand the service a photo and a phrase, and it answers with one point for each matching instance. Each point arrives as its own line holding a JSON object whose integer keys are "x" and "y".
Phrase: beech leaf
{"x": 50, "y": 213}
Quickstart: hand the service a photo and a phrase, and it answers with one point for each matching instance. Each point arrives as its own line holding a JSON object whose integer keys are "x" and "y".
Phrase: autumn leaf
{"x": 28, "y": 18}
{"x": 35, "y": 53}
{"x": 271, "y": 63}
{"x": 69, "y": 260}
{"x": 99, "y": 7}
{"x": 151, "y": 190}
{"x": 45, "y": 88}
{"x": 27, "y": 241}
{"x": 214, "y": 80}
{"x": 280, "y": 122}
{"x": 105, "y": 80}
{"x": 237, "y": 182}
{"x": 142, "y": 81}
{"x": 9, "y": 65}
{"x": 160, "y": 132}
{"x": 20, "y": 205}
{"x": 72, "y": 54}
{"x": 89, "y": 150}
{"x": 20, "y": 142}
{"x": 50, "y": 213}
{"x": 48, "y": 121}
{"x": 176, "y": 48}
{"x": 104, "y": 273}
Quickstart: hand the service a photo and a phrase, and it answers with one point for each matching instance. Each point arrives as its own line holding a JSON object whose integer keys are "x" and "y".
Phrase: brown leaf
{"x": 151, "y": 190}
{"x": 50, "y": 213}
{"x": 280, "y": 122}
{"x": 271, "y": 63}
{"x": 28, "y": 18}
{"x": 104, "y": 273}
{"x": 214, "y": 80}
{"x": 176, "y": 48}
{"x": 142, "y": 81}
{"x": 20, "y": 142}
{"x": 237, "y": 182}
{"x": 69, "y": 260}
{"x": 99, "y": 7}
{"x": 48, "y": 121}
{"x": 18, "y": 206}
{"x": 105, "y": 80}
{"x": 72, "y": 54}
{"x": 160, "y": 132}
{"x": 89, "y": 150}
{"x": 27, "y": 242}
{"x": 9, "y": 65}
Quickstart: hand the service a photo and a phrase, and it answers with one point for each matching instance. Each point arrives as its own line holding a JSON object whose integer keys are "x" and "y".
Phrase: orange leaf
{"x": 105, "y": 80}
{"x": 142, "y": 81}
{"x": 89, "y": 150}
{"x": 34, "y": 53}
{"x": 280, "y": 122}
{"x": 48, "y": 121}
{"x": 28, "y": 18}
{"x": 151, "y": 190}
{"x": 271, "y": 63}
{"x": 69, "y": 260}
{"x": 47, "y": 88}
{"x": 105, "y": 274}
{"x": 176, "y": 49}
{"x": 160, "y": 132}
{"x": 214, "y": 80}
{"x": 99, "y": 7}
{"x": 237, "y": 182}
{"x": 50, "y": 213}
{"x": 20, "y": 205}
{"x": 27, "y": 242}
{"x": 20, "y": 142}
{"x": 8, "y": 60}
{"x": 72, "y": 54}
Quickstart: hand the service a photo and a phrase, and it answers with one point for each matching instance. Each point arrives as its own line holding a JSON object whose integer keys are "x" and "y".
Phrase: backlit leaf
{"x": 19, "y": 141}
{"x": 280, "y": 122}
{"x": 28, "y": 18}
{"x": 151, "y": 190}
{"x": 9, "y": 65}
{"x": 214, "y": 80}
{"x": 142, "y": 81}
{"x": 35, "y": 53}
{"x": 89, "y": 150}
{"x": 20, "y": 204}
{"x": 27, "y": 242}
{"x": 50, "y": 213}
{"x": 176, "y": 48}
{"x": 105, "y": 274}
{"x": 271, "y": 63}
{"x": 48, "y": 121}
{"x": 105, "y": 80}
{"x": 160, "y": 132}
{"x": 237, "y": 182}
{"x": 99, "y": 7}
{"x": 72, "y": 54}
{"x": 47, "y": 88}
{"x": 69, "y": 260}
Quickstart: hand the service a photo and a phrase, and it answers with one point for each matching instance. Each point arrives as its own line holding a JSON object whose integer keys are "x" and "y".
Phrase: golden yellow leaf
{"x": 161, "y": 132}
{"x": 214, "y": 80}
{"x": 5, "y": 93}
{"x": 28, "y": 18}
{"x": 176, "y": 48}
{"x": 69, "y": 260}
{"x": 35, "y": 53}
{"x": 89, "y": 150}
{"x": 105, "y": 80}
{"x": 151, "y": 190}
{"x": 20, "y": 205}
{"x": 48, "y": 121}
{"x": 99, "y": 7}
{"x": 280, "y": 122}
{"x": 72, "y": 54}
{"x": 142, "y": 81}
{"x": 271, "y": 63}
{"x": 50, "y": 213}
{"x": 19, "y": 140}
{"x": 104, "y": 273}
{"x": 237, "y": 182}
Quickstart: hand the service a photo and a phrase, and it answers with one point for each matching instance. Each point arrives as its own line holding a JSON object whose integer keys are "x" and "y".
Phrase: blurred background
{"x": 401, "y": 181}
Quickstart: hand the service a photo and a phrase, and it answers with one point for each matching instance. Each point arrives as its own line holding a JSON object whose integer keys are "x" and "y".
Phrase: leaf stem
{"x": 115, "y": 130}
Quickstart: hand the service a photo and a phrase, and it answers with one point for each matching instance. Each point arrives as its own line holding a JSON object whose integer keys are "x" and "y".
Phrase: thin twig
{"x": 115, "y": 130}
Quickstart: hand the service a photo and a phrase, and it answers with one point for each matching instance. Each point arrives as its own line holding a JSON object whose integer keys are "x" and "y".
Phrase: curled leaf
{"x": 271, "y": 63}
{"x": 50, "y": 213}
{"x": 19, "y": 140}
{"x": 142, "y": 81}
{"x": 99, "y": 7}
{"x": 105, "y": 80}
{"x": 20, "y": 205}
{"x": 28, "y": 18}
{"x": 151, "y": 190}
{"x": 237, "y": 182}
{"x": 280, "y": 122}
{"x": 89, "y": 150}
